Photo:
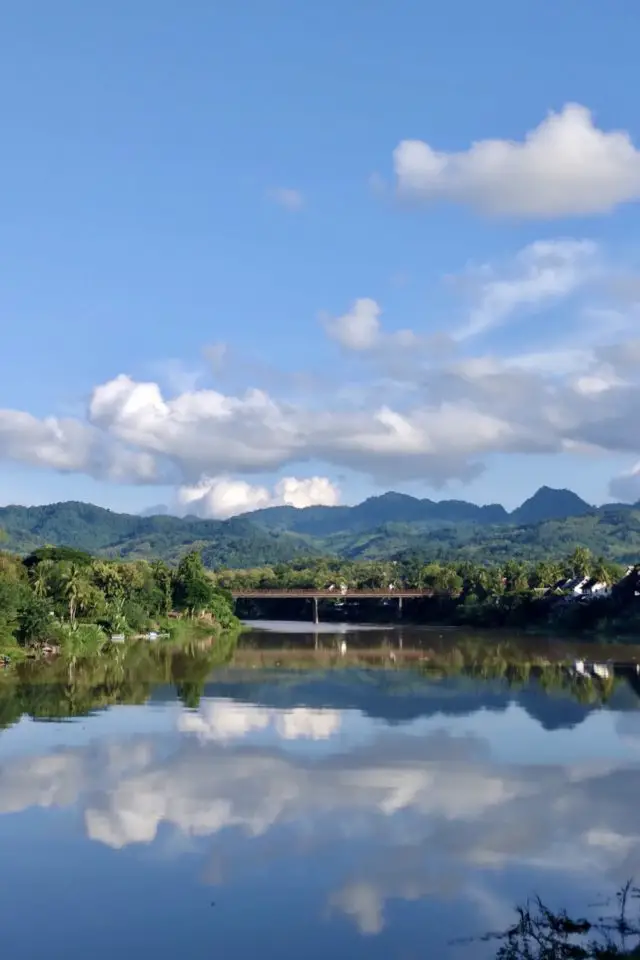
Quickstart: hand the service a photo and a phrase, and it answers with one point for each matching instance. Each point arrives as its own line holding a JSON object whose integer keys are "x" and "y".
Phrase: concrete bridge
{"x": 315, "y": 595}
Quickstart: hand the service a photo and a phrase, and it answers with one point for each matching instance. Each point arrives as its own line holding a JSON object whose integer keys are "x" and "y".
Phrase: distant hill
{"x": 102, "y": 532}
{"x": 549, "y": 504}
{"x": 391, "y": 525}
{"x": 375, "y": 512}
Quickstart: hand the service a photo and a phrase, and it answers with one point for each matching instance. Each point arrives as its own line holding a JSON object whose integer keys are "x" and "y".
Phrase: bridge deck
{"x": 327, "y": 594}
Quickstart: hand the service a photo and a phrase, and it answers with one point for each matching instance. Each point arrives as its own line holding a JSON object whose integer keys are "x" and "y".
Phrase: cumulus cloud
{"x": 223, "y": 497}
{"x": 70, "y": 446}
{"x": 360, "y": 329}
{"x": 566, "y": 166}
{"x": 203, "y": 431}
{"x": 417, "y": 411}
{"x": 465, "y": 410}
{"x": 308, "y": 492}
{"x": 288, "y": 198}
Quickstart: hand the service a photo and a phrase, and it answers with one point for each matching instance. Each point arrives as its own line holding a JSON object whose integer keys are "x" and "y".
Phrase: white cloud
{"x": 63, "y": 444}
{"x": 416, "y": 411}
{"x": 288, "y": 198}
{"x": 564, "y": 167}
{"x": 462, "y": 411}
{"x": 223, "y": 497}
{"x": 70, "y": 446}
{"x": 203, "y": 431}
{"x": 360, "y": 330}
{"x": 308, "y": 492}
{"x": 626, "y": 486}
{"x": 543, "y": 272}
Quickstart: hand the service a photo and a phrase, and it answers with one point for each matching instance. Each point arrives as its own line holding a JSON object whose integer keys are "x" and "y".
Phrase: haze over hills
{"x": 551, "y": 521}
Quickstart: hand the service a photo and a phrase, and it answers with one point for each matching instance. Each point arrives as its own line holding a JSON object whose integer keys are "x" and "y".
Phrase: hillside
{"x": 104, "y": 533}
{"x": 387, "y": 526}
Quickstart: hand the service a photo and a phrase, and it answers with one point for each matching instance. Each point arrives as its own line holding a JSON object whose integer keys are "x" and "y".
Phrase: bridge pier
{"x": 399, "y": 608}
{"x": 316, "y": 618}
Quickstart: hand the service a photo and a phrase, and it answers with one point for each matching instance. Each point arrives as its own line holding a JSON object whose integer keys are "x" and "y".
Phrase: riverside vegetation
{"x": 62, "y": 598}
{"x": 517, "y": 594}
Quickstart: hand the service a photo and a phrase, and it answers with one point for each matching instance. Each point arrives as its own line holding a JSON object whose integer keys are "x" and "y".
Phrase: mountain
{"x": 551, "y": 522}
{"x": 102, "y": 532}
{"x": 375, "y": 512}
{"x": 549, "y": 504}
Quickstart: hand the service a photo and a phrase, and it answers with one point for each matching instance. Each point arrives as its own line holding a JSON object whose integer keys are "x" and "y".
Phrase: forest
{"x": 392, "y": 526}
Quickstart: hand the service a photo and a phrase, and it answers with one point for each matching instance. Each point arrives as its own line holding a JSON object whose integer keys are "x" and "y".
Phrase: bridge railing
{"x": 328, "y": 594}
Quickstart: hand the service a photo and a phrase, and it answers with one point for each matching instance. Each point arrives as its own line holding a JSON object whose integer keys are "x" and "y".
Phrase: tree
{"x": 544, "y": 574}
{"x": 580, "y": 562}
{"x": 601, "y": 571}
{"x": 75, "y": 589}
{"x": 34, "y": 620}
{"x": 193, "y": 588}
{"x": 108, "y": 579}
{"x": 12, "y": 595}
{"x": 162, "y": 579}
{"x": 40, "y": 577}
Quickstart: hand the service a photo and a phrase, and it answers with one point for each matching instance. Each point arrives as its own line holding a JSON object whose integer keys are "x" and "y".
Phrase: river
{"x": 378, "y": 801}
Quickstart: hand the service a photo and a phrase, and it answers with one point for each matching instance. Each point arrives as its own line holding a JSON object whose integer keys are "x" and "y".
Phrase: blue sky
{"x": 208, "y": 199}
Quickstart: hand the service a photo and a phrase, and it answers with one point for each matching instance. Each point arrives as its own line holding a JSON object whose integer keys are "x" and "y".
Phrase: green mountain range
{"x": 391, "y": 525}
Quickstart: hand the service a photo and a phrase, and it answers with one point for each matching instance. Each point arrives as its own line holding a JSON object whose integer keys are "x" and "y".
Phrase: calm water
{"x": 352, "y": 812}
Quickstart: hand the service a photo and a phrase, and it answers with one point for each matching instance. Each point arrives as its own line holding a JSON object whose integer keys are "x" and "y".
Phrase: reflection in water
{"x": 354, "y": 812}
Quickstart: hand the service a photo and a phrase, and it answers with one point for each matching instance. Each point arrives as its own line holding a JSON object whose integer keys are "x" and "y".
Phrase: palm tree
{"x": 40, "y": 578}
{"x": 75, "y": 588}
{"x": 581, "y": 562}
{"x": 601, "y": 571}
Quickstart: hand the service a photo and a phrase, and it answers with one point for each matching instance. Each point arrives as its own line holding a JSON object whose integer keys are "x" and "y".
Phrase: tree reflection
{"x": 121, "y": 675}
{"x": 77, "y": 684}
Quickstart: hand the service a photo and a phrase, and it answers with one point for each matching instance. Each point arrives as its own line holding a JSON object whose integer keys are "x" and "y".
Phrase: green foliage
{"x": 34, "y": 620}
{"x": 64, "y": 598}
{"x": 193, "y": 590}
{"x": 79, "y": 639}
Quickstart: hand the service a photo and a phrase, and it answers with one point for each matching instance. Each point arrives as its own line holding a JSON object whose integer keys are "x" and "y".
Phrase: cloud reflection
{"x": 225, "y": 720}
{"x": 434, "y": 815}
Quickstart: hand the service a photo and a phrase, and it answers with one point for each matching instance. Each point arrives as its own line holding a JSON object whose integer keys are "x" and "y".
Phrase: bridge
{"x": 315, "y": 595}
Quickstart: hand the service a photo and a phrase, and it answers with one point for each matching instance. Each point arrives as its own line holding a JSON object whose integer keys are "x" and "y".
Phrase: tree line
{"x": 415, "y": 574}
{"x": 515, "y": 593}
{"x": 59, "y": 595}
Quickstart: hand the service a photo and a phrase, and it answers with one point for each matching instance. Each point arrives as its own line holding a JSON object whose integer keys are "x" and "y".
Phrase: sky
{"x": 281, "y": 252}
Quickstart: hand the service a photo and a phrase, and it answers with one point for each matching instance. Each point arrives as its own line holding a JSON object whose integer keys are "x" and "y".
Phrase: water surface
{"x": 359, "y": 807}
